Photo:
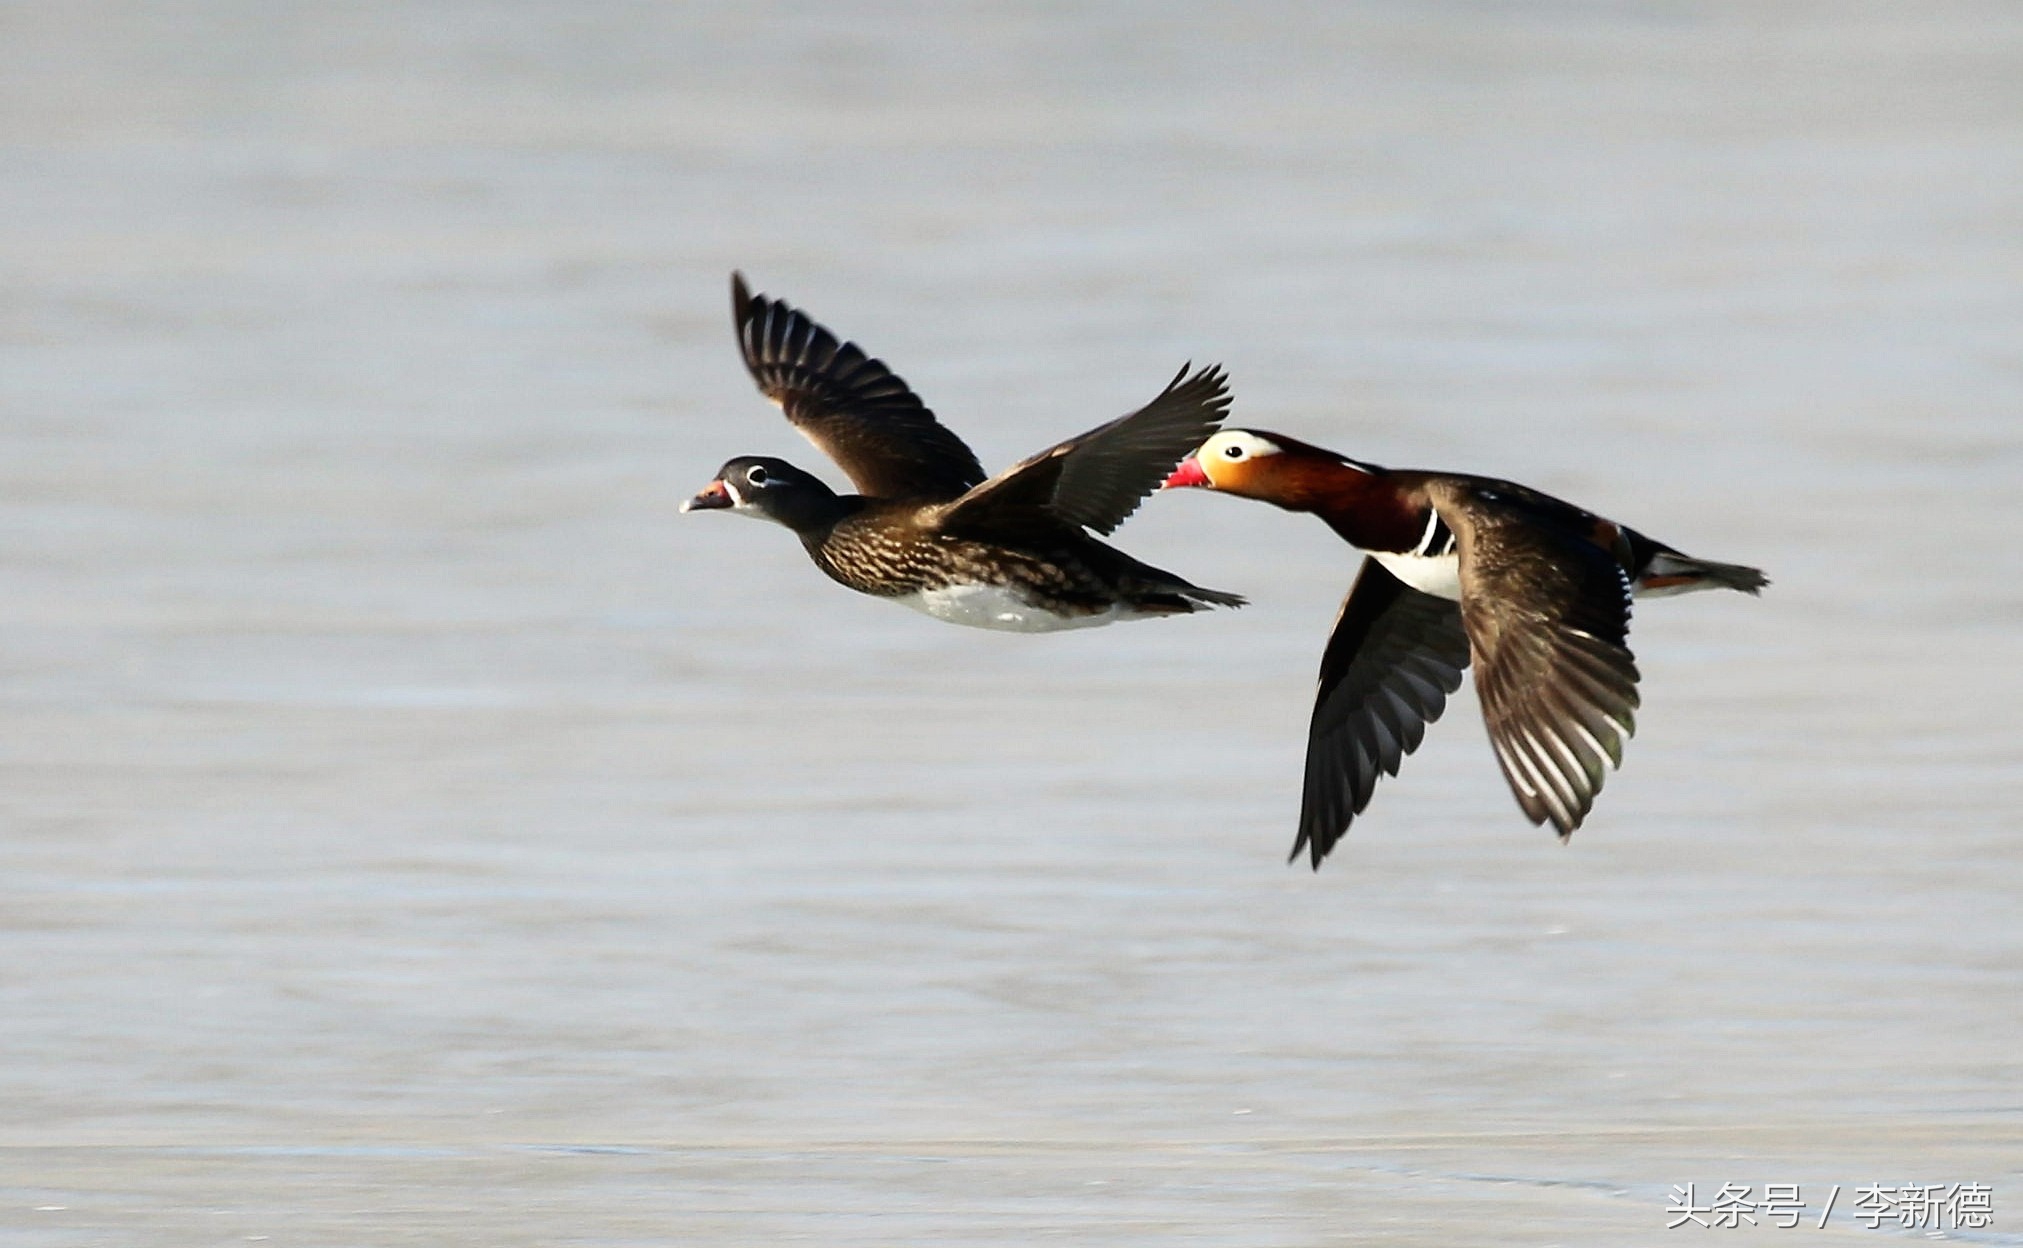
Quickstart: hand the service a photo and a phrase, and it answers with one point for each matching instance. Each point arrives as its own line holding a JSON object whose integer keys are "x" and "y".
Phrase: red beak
{"x": 713, "y": 495}
{"x": 1187, "y": 474}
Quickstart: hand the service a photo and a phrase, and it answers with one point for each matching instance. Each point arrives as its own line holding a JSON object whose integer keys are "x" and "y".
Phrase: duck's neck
{"x": 1362, "y": 503}
{"x": 813, "y": 513}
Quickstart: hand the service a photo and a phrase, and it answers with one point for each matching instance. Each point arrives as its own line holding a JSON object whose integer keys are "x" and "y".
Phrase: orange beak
{"x": 1188, "y": 474}
{"x": 713, "y": 496}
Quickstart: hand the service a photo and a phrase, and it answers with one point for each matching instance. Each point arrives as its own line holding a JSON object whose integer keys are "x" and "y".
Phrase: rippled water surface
{"x": 413, "y": 831}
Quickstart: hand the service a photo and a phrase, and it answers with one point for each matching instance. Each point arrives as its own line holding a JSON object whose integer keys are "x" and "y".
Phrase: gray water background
{"x": 413, "y": 831}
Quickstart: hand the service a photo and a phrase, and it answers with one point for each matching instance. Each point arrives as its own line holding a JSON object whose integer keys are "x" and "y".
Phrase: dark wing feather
{"x": 859, "y": 412}
{"x": 1394, "y": 656}
{"x": 1548, "y": 613}
{"x": 1097, "y": 479}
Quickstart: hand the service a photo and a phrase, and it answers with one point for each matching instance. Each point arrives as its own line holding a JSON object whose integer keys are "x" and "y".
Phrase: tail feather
{"x": 1670, "y": 572}
{"x": 1183, "y": 599}
{"x": 1213, "y": 597}
{"x": 1157, "y": 591}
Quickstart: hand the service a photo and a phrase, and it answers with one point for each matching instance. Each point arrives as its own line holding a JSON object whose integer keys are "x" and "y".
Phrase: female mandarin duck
{"x": 1534, "y": 591}
{"x": 927, "y": 530}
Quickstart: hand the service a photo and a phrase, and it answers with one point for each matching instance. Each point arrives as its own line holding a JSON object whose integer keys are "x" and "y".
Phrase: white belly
{"x": 994, "y": 606}
{"x": 1438, "y": 575}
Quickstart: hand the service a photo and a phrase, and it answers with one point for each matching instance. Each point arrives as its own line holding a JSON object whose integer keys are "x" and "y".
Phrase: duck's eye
{"x": 757, "y": 476}
{"x": 1232, "y": 452}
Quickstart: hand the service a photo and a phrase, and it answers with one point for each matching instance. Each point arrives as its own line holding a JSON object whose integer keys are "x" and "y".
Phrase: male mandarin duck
{"x": 926, "y": 529}
{"x": 1534, "y": 591}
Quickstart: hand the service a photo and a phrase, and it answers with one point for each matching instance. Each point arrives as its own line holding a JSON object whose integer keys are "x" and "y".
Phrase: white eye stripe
{"x": 1238, "y": 444}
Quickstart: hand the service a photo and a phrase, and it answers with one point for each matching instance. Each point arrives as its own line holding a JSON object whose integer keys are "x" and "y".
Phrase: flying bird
{"x": 1533, "y": 591}
{"x": 926, "y": 529}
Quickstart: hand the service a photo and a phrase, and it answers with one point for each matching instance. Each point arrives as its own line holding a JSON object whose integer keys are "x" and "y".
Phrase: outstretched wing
{"x": 1394, "y": 656}
{"x": 1548, "y": 614}
{"x": 1097, "y": 479}
{"x": 859, "y": 412}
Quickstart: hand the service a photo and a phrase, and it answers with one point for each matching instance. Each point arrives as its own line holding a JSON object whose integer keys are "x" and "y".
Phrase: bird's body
{"x": 1012, "y": 553}
{"x": 1532, "y": 591}
{"x": 898, "y": 549}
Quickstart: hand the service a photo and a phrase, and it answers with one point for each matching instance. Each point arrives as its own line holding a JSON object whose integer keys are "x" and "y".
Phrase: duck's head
{"x": 1234, "y": 461}
{"x": 1271, "y": 468}
{"x": 768, "y": 489}
{"x": 1249, "y": 464}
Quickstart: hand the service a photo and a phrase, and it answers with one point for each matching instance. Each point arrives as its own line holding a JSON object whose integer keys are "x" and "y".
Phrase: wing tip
{"x": 747, "y": 310}
{"x": 1312, "y": 846}
{"x": 1214, "y": 380}
{"x": 1321, "y": 824}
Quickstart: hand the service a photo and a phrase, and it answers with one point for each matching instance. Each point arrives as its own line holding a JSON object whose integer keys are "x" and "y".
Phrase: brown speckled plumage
{"x": 884, "y": 550}
{"x": 926, "y": 520}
